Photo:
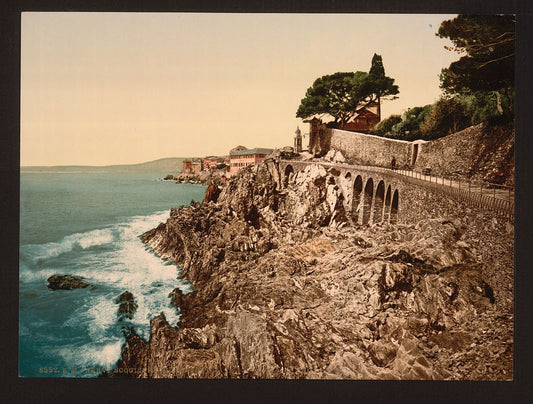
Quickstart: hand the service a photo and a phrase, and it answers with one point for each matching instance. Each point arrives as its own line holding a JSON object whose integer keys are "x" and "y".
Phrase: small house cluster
{"x": 207, "y": 164}
{"x": 239, "y": 157}
{"x": 210, "y": 163}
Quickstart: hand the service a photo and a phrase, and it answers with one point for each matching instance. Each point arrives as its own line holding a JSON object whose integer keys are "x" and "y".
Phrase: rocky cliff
{"x": 286, "y": 286}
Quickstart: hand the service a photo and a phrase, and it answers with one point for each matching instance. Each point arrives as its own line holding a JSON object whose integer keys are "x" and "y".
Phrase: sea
{"x": 88, "y": 225}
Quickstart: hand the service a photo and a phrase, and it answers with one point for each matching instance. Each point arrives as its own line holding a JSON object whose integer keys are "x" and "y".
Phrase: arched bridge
{"x": 376, "y": 194}
{"x": 369, "y": 197}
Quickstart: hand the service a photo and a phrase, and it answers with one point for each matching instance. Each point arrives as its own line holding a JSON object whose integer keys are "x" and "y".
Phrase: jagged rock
{"x": 197, "y": 338}
{"x": 282, "y": 291}
{"x": 127, "y": 305}
{"x": 382, "y": 353}
{"x": 66, "y": 282}
{"x": 335, "y": 156}
{"x": 183, "y": 355}
{"x": 211, "y": 193}
{"x": 176, "y": 297}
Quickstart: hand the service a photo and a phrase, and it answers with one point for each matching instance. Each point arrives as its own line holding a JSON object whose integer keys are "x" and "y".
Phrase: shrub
{"x": 385, "y": 127}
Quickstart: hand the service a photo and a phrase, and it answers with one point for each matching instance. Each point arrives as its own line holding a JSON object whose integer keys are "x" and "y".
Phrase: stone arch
{"x": 368, "y": 195}
{"x": 394, "y": 207}
{"x": 379, "y": 202}
{"x": 348, "y": 176}
{"x": 386, "y": 208}
{"x": 288, "y": 172}
{"x": 356, "y": 200}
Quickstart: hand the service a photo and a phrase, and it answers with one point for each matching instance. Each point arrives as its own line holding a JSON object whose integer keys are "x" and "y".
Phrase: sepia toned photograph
{"x": 267, "y": 196}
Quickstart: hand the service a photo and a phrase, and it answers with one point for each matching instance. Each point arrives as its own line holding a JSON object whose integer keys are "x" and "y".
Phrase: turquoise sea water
{"x": 88, "y": 225}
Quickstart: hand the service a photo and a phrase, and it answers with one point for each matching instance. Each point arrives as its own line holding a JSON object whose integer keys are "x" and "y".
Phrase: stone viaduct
{"x": 376, "y": 195}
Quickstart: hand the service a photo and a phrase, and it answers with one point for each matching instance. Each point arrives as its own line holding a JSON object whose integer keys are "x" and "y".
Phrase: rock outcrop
{"x": 66, "y": 282}
{"x": 211, "y": 193}
{"x": 126, "y": 305}
{"x": 286, "y": 286}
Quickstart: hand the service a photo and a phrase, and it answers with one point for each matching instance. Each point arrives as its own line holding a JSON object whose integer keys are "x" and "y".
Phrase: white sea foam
{"x": 151, "y": 306}
{"x": 28, "y": 275}
{"x": 140, "y": 224}
{"x": 104, "y": 354}
{"x": 101, "y": 314}
{"x": 122, "y": 233}
{"x": 39, "y": 252}
{"x": 130, "y": 266}
{"x": 107, "y": 355}
{"x": 95, "y": 238}
{"x": 126, "y": 265}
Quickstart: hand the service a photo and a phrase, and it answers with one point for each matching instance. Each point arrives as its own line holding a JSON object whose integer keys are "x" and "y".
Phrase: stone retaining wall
{"x": 370, "y": 150}
{"x": 475, "y": 152}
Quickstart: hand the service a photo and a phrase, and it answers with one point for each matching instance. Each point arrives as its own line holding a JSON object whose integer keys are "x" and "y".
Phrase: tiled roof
{"x": 365, "y": 113}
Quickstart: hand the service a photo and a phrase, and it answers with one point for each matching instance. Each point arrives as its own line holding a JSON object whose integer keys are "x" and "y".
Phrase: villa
{"x": 244, "y": 158}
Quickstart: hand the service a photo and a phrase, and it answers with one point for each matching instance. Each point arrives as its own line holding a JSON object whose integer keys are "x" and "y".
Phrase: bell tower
{"x": 298, "y": 140}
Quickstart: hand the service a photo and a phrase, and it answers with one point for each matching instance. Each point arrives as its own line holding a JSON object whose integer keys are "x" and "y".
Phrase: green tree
{"x": 488, "y": 45}
{"x": 380, "y": 86}
{"x": 446, "y": 116}
{"x": 409, "y": 127}
{"x": 345, "y": 94}
{"x": 338, "y": 94}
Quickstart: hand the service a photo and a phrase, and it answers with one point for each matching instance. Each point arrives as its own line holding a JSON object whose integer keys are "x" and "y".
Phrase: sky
{"x": 124, "y": 88}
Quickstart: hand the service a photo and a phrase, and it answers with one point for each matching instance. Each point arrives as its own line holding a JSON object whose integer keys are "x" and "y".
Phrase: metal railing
{"x": 485, "y": 194}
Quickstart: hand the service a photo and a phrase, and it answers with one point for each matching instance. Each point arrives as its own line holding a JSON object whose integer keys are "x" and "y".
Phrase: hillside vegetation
{"x": 477, "y": 88}
{"x": 448, "y": 115}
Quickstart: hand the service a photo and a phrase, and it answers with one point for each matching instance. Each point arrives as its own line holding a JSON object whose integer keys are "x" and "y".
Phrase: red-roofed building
{"x": 364, "y": 122}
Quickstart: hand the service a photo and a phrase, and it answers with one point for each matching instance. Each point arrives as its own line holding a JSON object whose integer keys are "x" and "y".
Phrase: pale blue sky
{"x": 115, "y": 88}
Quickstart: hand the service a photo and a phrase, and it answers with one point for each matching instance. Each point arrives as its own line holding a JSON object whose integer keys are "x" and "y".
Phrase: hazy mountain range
{"x": 171, "y": 165}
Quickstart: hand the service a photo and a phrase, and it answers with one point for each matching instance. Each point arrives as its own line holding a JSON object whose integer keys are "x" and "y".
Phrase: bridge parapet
{"x": 372, "y": 194}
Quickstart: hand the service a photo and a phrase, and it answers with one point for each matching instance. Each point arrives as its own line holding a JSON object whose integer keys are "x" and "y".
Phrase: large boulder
{"x": 335, "y": 156}
{"x": 176, "y": 297}
{"x": 211, "y": 193}
{"x": 66, "y": 282}
{"x": 127, "y": 305}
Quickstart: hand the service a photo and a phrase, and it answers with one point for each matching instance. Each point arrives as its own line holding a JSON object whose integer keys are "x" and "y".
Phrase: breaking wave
{"x": 38, "y": 253}
{"x": 126, "y": 264}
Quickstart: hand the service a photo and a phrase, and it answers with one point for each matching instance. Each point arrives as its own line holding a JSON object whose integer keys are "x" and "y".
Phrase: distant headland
{"x": 164, "y": 165}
